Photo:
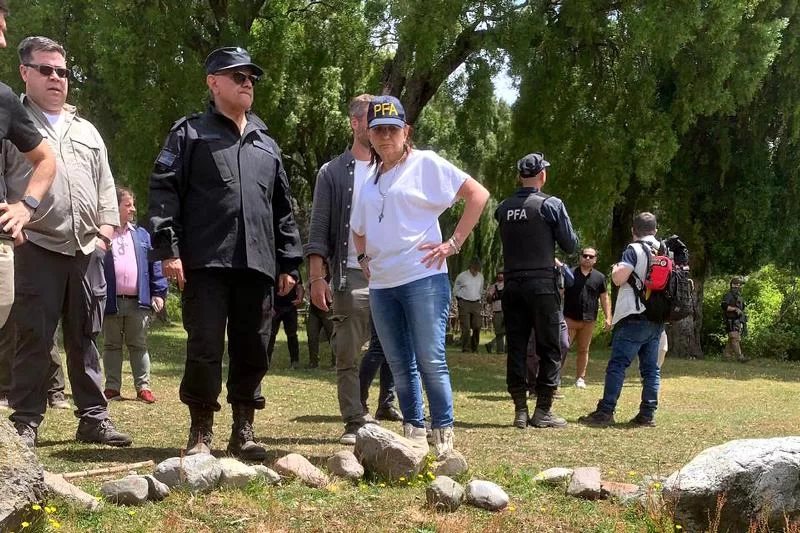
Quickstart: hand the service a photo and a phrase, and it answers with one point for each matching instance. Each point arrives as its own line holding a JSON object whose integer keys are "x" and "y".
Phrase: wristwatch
{"x": 31, "y": 202}
{"x": 104, "y": 239}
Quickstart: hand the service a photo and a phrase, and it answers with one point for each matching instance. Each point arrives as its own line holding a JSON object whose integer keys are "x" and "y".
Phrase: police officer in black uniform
{"x": 531, "y": 223}
{"x": 222, "y": 222}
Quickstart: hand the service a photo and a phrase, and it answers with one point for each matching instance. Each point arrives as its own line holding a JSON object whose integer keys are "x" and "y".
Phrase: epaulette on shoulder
{"x": 180, "y": 121}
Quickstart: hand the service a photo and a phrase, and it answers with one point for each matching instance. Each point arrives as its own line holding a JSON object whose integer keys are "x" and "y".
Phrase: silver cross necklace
{"x": 377, "y": 181}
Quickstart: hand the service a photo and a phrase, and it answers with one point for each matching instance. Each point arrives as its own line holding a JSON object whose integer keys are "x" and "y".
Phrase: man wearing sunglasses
{"x": 580, "y": 309}
{"x": 223, "y": 227}
{"x": 17, "y": 130}
{"x": 59, "y": 268}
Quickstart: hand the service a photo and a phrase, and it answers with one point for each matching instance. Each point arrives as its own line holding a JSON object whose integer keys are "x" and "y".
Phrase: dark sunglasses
{"x": 240, "y": 77}
{"x": 47, "y": 70}
{"x": 588, "y": 256}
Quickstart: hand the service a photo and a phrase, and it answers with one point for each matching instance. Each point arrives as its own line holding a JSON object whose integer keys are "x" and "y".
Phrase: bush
{"x": 773, "y": 311}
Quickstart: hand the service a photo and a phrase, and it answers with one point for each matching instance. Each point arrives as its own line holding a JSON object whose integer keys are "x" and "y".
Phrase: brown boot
{"x": 242, "y": 443}
{"x": 201, "y": 432}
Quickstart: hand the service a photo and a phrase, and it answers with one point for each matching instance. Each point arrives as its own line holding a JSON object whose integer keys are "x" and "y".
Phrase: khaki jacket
{"x": 82, "y": 196}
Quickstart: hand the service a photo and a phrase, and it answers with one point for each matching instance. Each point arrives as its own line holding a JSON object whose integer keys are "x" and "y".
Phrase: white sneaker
{"x": 442, "y": 441}
{"x": 580, "y": 383}
{"x": 417, "y": 436}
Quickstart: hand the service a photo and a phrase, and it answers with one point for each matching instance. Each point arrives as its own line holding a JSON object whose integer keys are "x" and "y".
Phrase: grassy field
{"x": 704, "y": 403}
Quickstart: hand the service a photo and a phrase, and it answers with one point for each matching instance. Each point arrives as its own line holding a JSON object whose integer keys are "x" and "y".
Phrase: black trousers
{"x": 213, "y": 299}
{"x": 288, "y": 317}
{"x": 532, "y": 304}
{"x": 50, "y": 286}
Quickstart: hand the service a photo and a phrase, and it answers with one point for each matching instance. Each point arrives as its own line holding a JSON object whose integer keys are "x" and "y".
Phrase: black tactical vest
{"x": 528, "y": 240}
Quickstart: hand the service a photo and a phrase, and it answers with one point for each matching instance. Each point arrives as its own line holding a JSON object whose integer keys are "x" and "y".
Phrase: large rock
{"x": 758, "y": 478}
{"x": 345, "y": 465}
{"x": 235, "y": 474}
{"x": 444, "y": 494}
{"x": 585, "y": 483}
{"x": 453, "y": 464}
{"x": 130, "y": 490}
{"x": 59, "y": 486}
{"x": 21, "y": 478}
{"x": 295, "y": 465}
{"x": 486, "y": 495}
{"x": 387, "y": 454}
{"x": 198, "y": 473}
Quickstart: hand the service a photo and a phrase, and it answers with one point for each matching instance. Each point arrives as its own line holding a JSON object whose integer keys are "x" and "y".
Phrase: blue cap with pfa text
{"x": 231, "y": 57}
{"x": 386, "y": 110}
{"x": 530, "y": 165}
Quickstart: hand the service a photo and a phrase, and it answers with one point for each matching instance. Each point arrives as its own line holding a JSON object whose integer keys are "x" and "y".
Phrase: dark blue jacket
{"x": 150, "y": 279}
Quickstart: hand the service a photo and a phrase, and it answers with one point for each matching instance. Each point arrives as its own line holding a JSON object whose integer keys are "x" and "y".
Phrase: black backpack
{"x": 675, "y": 301}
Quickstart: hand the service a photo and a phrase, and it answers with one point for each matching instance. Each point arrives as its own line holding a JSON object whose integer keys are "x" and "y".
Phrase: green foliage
{"x": 773, "y": 311}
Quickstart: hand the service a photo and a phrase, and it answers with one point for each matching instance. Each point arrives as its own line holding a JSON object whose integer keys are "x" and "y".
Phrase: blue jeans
{"x": 632, "y": 337}
{"x": 411, "y": 320}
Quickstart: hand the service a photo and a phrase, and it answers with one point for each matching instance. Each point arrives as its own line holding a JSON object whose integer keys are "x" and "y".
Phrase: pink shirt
{"x": 125, "y": 261}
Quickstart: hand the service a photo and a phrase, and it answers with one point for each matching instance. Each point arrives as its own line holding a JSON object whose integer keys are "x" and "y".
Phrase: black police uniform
{"x": 531, "y": 223}
{"x": 220, "y": 200}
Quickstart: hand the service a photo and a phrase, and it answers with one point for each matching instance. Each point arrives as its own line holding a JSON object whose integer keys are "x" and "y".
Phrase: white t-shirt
{"x": 362, "y": 173}
{"x": 56, "y": 121}
{"x": 412, "y": 196}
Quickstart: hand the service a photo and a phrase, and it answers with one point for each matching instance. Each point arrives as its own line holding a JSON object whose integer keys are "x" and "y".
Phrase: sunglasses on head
{"x": 47, "y": 70}
{"x": 588, "y": 256}
{"x": 240, "y": 77}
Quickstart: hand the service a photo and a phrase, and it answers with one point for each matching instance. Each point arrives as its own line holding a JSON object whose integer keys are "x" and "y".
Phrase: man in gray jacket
{"x": 338, "y": 184}
{"x": 59, "y": 266}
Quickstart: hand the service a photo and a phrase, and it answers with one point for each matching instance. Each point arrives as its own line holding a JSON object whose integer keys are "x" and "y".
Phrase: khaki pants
{"x": 128, "y": 327}
{"x": 580, "y": 331}
{"x": 733, "y": 348}
{"x": 6, "y": 279}
{"x": 351, "y": 329}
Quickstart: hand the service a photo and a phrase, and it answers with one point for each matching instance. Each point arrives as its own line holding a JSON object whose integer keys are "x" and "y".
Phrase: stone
{"x": 295, "y": 465}
{"x": 156, "y": 491}
{"x": 619, "y": 491}
{"x": 59, "y": 486}
{"x": 130, "y": 490}
{"x": 486, "y": 495}
{"x": 585, "y": 483}
{"x": 235, "y": 474}
{"x": 758, "y": 478}
{"x": 345, "y": 465}
{"x": 444, "y": 494}
{"x": 387, "y": 454}
{"x": 554, "y": 476}
{"x": 267, "y": 474}
{"x": 21, "y": 478}
{"x": 198, "y": 473}
{"x": 453, "y": 464}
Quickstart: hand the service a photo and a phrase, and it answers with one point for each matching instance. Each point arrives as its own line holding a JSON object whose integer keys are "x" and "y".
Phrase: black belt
{"x": 127, "y": 297}
{"x": 470, "y": 301}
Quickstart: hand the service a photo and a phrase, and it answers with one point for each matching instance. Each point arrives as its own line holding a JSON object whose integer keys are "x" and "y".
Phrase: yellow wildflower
{"x": 36, "y": 507}
{"x": 402, "y": 478}
{"x": 131, "y": 513}
{"x": 512, "y": 508}
{"x": 55, "y": 524}
{"x": 50, "y": 510}
{"x": 382, "y": 485}
{"x": 25, "y": 524}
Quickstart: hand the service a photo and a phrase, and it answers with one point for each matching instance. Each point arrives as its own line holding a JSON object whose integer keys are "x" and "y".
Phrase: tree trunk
{"x": 684, "y": 336}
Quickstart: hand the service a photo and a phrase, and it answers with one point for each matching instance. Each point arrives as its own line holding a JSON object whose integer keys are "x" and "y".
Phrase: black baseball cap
{"x": 386, "y": 110}
{"x": 231, "y": 57}
{"x": 530, "y": 165}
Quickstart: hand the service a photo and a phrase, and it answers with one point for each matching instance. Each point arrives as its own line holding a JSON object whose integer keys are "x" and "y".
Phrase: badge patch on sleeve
{"x": 166, "y": 158}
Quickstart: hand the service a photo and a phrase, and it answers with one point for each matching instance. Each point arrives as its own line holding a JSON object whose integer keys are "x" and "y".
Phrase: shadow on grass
{"x": 490, "y": 397}
{"x": 134, "y": 454}
{"x": 475, "y": 425}
{"x": 317, "y": 460}
{"x": 274, "y": 441}
{"x": 317, "y": 419}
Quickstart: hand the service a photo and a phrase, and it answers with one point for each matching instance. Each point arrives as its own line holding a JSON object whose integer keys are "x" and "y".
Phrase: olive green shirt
{"x": 82, "y": 196}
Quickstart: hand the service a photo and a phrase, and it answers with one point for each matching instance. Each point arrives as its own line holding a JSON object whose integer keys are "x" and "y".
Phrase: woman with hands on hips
{"x": 402, "y": 252}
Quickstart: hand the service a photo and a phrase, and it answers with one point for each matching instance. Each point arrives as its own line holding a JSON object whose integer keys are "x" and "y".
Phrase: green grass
{"x": 703, "y": 403}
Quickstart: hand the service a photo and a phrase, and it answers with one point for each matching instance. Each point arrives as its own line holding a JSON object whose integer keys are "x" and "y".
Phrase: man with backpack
{"x": 634, "y": 331}
{"x": 735, "y": 320}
